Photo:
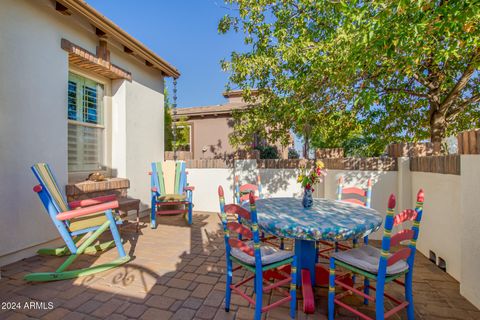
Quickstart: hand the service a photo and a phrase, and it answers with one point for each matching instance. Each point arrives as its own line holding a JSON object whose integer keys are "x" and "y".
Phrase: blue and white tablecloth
{"x": 326, "y": 220}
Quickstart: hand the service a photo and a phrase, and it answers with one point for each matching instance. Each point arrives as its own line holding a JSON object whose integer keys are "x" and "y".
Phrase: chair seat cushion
{"x": 367, "y": 258}
{"x": 269, "y": 254}
{"x": 172, "y": 197}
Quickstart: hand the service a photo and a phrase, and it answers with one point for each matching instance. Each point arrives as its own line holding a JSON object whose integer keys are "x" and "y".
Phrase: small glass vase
{"x": 307, "y": 200}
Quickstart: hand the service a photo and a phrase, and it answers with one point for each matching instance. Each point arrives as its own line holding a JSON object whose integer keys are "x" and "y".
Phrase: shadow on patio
{"x": 178, "y": 272}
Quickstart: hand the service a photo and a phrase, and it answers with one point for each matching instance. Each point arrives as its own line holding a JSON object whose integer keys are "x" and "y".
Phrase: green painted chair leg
{"x": 53, "y": 251}
{"x": 53, "y": 276}
{"x": 62, "y": 251}
{"x": 100, "y": 247}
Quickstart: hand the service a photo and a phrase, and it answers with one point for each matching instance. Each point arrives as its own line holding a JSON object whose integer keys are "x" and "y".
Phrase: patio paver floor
{"x": 178, "y": 272}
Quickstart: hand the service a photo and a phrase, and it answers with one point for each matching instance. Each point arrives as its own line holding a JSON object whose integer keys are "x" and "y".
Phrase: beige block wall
{"x": 440, "y": 229}
{"x": 470, "y": 228}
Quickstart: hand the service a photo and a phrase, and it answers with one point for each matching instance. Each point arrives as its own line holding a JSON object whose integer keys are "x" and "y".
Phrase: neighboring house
{"x": 79, "y": 93}
{"x": 210, "y": 127}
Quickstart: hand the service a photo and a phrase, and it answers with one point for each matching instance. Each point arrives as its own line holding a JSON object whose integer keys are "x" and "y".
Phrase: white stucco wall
{"x": 470, "y": 229}
{"x": 206, "y": 182}
{"x": 144, "y": 136}
{"x": 440, "y": 228}
{"x": 33, "y": 125}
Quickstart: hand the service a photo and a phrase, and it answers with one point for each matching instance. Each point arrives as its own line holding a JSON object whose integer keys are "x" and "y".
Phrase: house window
{"x": 86, "y": 131}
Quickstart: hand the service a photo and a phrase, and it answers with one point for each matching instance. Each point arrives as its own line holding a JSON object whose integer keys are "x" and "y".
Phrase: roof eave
{"x": 101, "y": 22}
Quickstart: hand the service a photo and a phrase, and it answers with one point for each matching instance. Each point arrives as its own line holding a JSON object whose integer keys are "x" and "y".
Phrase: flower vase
{"x": 307, "y": 200}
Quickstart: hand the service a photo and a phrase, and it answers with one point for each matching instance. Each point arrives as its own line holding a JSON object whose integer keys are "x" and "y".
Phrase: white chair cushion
{"x": 367, "y": 258}
{"x": 269, "y": 254}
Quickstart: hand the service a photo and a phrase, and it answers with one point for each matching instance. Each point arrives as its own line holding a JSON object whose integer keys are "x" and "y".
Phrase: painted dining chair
{"x": 242, "y": 193}
{"x": 355, "y": 195}
{"x": 79, "y": 223}
{"x": 170, "y": 191}
{"x": 255, "y": 257}
{"x": 381, "y": 265}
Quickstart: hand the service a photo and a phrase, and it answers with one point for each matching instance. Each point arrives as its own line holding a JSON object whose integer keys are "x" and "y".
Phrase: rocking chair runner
{"x": 79, "y": 223}
{"x": 170, "y": 190}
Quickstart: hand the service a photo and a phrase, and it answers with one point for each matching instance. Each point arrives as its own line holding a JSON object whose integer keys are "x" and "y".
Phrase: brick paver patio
{"x": 178, "y": 272}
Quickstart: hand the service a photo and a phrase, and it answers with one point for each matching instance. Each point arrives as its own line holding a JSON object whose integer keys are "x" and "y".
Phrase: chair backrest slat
{"x": 240, "y": 229}
{"x": 246, "y": 188}
{"x": 348, "y": 194}
{"x": 401, "y": 254}
{"x": 405, "y": 215}
{"x": 236, "y": 209}
{"x": 354, "y": 190}
{"x": 356, "y": 201}
{"x": 242, "y": 191}
{"x": 401, "y": 236}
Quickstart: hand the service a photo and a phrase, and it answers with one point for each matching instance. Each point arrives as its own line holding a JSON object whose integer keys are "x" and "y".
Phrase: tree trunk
{"x": 438, "y": 127}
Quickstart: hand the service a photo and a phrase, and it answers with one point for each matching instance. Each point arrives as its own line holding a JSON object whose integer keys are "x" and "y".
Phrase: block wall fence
{"x": 451, "y": 220}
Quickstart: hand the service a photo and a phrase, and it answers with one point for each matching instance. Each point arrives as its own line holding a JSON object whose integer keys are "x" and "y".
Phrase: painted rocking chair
{"x": 79, "y": 223}
{"x": 170, "y": 191}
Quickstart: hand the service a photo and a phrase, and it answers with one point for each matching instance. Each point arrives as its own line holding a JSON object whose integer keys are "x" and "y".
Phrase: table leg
{"x": 306, "y": 258}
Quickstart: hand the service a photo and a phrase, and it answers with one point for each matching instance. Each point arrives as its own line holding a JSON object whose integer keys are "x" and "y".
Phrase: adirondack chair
{"x": 356, "y": 195}
{"x": 79, "y": 223}
{"x": 380, "y": 265}
{"x": 255, "y": 257}
{"x": 171, "y": 193}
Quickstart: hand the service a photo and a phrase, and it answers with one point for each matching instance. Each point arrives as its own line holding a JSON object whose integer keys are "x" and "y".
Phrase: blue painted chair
{"x": 79, "y": 223}
{"x": 255, "y": 257}
{"x": 355, "y": 195}
{"x": 171, "y": 193}
{"x": 380, "y": 265}
{"x": 242, "y": 191}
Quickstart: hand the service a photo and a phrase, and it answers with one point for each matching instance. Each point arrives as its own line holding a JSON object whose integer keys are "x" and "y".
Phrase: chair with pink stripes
{"x": 380, "y": 265}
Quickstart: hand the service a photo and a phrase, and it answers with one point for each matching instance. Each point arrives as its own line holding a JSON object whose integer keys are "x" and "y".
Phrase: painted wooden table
{"x": 329, "y": 220}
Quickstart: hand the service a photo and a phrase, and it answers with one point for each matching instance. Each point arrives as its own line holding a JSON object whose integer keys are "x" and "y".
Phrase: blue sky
{"x": 183, "y": 32}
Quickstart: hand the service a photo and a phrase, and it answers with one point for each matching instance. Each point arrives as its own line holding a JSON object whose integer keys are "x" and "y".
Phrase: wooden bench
{"x": 128, "y": 204}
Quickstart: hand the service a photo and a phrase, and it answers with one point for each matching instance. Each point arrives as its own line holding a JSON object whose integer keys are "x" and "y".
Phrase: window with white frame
{"x": 86, "y": 131}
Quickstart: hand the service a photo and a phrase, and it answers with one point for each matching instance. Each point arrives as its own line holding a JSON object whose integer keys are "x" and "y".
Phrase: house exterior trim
{"x": 131, "y": 45}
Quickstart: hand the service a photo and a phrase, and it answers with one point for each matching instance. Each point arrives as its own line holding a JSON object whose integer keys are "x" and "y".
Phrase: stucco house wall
{"x": 212, "y": 134}
{"x": 33, "y": 126}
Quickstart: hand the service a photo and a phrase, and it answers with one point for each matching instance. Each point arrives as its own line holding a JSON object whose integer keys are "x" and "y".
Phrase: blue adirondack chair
{"x": 79, "y": 223}
{"x": 171, "y": 193}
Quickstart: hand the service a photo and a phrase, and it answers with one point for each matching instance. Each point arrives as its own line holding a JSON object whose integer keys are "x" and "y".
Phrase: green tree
{"x": 168, "y": 129}
{"x": 396, "y": 70}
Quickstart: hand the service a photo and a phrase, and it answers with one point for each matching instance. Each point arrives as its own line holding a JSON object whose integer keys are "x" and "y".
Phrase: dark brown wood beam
{"x": 148, "y": 63}
{"x": 127, "y": 50}
{"x": 62, "y": 9}
{"x": 99, "y": 32}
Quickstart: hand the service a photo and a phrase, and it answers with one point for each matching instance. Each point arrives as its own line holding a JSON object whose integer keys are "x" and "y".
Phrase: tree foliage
{"x": 367, "y": 72}
{"x": 182, "y": 141}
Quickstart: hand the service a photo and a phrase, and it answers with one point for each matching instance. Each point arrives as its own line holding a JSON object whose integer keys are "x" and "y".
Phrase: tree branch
{"x": 462, "y": 82}
{"x": 410, "y": 92}
{"x": 454, "y": 112}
